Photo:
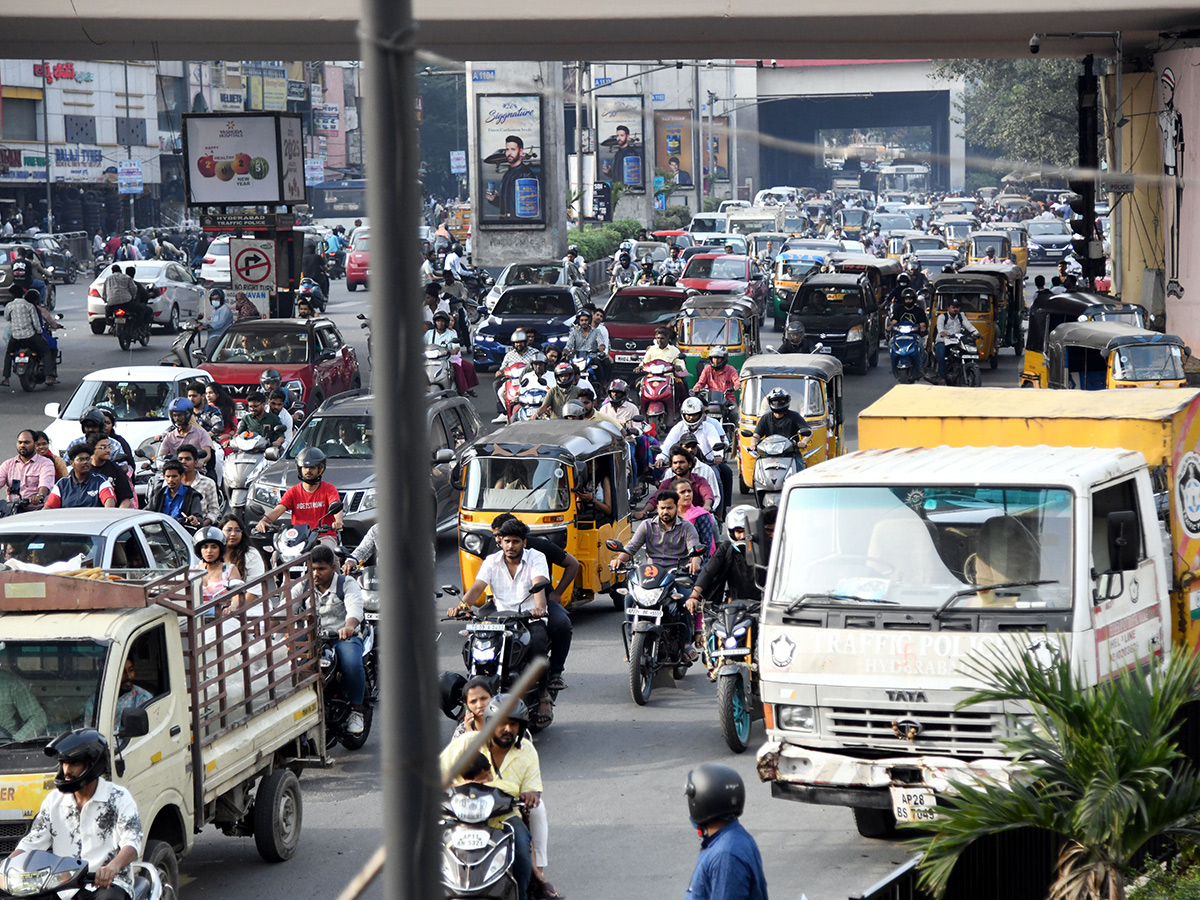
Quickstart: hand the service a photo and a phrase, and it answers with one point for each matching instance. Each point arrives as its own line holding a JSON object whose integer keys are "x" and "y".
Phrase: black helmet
{"x": 93, "y": 416}
{"x": 779, "y": 399}
{"x": 86, "y": 745}
{"x": 217, "y": 293}
{"x": 564, "y": 374}
{"x": 271, "y": 375}
{"x": 573, "y": 409}
{"x": 310, "y": 457}
{"x": 618, "y": 390}
{"x": 624, "y": 257}
{"x": 908, "y": 294}
{"x": 572, "y": 249}
{"x": 450, "y": 693}
{"x": 902, "y": 278}
{"x": 714, "y": 792}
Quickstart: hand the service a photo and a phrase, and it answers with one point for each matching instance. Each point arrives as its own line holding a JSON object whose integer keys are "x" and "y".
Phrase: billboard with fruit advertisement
{"x": 243, "y": 159}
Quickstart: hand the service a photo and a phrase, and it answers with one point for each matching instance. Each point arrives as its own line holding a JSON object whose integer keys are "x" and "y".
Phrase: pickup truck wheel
{"x": 875, "y": 823}
{"x": 278, "y": 815}
{"x": 161, "y": 855}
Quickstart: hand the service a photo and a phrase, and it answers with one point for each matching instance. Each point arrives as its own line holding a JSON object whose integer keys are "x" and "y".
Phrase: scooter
{"x": 246, "y": 459}
{"x": 337, "y": 707}
{"x": 29, "y": 365}
{"x": 40, "y": 875}
{"x": 180, "y": 354}
{"x": 657, "y": 394}
{"x": 962, "y": 361}
{"x": 730, "y": 655}
{"x": 722, "y": 411}
{"x": 529, "y": 401}
{"x": 905, "y": 349}
{"x": 311, "y": 291}
{"x": 439, "y": 369}
{"x": 514, "y": 374}
{"x": 477, "y": 859}
{"x": 777, "y": 458}
{"x": 657, "y": 630}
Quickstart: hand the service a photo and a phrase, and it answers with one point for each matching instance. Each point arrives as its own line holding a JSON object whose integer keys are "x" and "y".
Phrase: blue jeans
{"x": 523, "y": 860}
{"x": 939, "y": 350}
{"x": 354, "y": 677}
{"x": 40, "y": 287}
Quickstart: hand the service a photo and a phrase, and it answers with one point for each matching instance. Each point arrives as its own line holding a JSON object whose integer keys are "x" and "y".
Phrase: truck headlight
{"x": 854, "y": 334}
{"x": 796, "y": 718}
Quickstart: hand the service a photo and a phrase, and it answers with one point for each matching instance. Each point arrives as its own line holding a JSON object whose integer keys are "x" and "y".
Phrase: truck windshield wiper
{"x": 27, "y": 742}
{"x": 822, "y": 595}
{"x": 982, "y": 588}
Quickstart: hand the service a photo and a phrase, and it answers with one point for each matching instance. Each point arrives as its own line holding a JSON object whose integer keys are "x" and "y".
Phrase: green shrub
{"x": 1178, "y": 881}
{"x": 628, "y": 228}
{"x": 596, "y": 243}
{"x": 673, "y": 218}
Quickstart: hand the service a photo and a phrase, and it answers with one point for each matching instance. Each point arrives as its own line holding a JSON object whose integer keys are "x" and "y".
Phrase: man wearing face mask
{"x": 222, "y": 318}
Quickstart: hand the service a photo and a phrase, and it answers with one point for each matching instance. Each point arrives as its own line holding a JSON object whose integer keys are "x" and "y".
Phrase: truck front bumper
{"x": 816, "y": 776}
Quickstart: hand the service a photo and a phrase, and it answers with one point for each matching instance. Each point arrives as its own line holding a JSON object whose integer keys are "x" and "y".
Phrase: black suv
{"x": 839, "y": 312}
{"x": 341, "y": 428}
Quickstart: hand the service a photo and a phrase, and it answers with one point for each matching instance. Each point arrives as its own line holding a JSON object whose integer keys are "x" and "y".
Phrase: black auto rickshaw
{"x": 1081, "y": 306}
{"x": 1094, "y": 356}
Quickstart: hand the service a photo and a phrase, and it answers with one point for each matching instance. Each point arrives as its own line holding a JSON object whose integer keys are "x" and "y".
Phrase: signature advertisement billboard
{"x": 621, "y": 158}
{"x": 510, "y": 149}
{"x": 673, "y": 144}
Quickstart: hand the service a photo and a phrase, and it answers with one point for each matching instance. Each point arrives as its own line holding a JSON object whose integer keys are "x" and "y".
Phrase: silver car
{"x": 83, "y": 538}
{"x": 174, "y": 294}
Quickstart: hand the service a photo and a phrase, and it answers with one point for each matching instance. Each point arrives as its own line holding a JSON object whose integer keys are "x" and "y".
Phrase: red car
{"x": 631, "y": 316}
{"x": 313, "y": 360}
{"x": 358, "y": 261}
{"x": 720, "y": 273}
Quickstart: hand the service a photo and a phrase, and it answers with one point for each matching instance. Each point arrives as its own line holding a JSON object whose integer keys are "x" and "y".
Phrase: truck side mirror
{"x": 1123, "y": 543}
{"x": 134, "y": 723}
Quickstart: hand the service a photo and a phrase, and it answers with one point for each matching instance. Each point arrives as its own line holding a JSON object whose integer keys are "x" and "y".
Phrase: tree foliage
{"x": 1098, "y": 766}
{"x": 1022, "y": 110}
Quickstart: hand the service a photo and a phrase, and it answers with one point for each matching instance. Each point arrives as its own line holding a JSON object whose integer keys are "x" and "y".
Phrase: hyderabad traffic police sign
{"x": 252, "y": 265}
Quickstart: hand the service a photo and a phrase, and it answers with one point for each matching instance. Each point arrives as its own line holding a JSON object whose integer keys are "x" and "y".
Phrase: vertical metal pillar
{"x": 46, "y": 142}
{"x": 409, "y": 702}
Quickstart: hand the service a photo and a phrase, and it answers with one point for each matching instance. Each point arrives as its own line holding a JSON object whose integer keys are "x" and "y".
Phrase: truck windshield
{"x": 49, "y": 687}
{"x": 917, "y": 546}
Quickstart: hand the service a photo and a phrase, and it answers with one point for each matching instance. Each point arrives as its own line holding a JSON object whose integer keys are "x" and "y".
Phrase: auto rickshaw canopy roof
{"x": 565, "y": 439}
{"x": 1011, "y": 271}
{"x": 851, "y": 261}
{"x": 729, "y": 306}
{"x": 956, "y": 283}
{"x": 1108, "y": 336}
{"x": 808, "y": 365}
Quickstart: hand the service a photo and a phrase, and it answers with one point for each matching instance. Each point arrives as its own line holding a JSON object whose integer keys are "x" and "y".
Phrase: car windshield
{"x": 518, "y": 274}
{"x": 641, "y": 309}
{"x": 129, "y": 401}
{"x": 829, "y": 301}
{"x": 918, "y": 546}
{"x": 807, "y": 395}
{"x": 981, "y": 245}
{"x": 258, "y": 347}
{"x": 1047, "y": 227}
{"x": 81, "y": 550}
{"x": 1148, "y": 362}
{"x": 533, "y": 303}
{"x": 700, "y": 331}
{"x": 338, "y": 437}
{"x": 508, "y": 484}
{"x": 49, "y": 687}
{"x": 716, "y": 268}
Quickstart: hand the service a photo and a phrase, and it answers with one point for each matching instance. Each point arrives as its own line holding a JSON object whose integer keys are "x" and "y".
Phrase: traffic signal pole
{"x": 1088, "y": 249}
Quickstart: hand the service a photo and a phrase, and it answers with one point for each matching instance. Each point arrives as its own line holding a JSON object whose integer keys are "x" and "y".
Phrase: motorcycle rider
{"x": 917, "y": 279}
{"x": 33, "y": 473}
{"x": 520, "y": 351}
{"x": 88, "y": 817}
{"x": 718, "y": 375}
{"x": 623, "y": 274}
{"x": 339, "y": 605}
{"x": 585, "y": 340}
{"x": 664, "y": 350}
{"x": 617, "y": 405}
{"x": 728, "y": 574}
{"x": 907, "y": 311}
{"x": 951, "y": 323}
{"x": 81, "y": 487}
{"x": 261, "y": 420}
{"x": 218, "y": 324}
{"x": 574, "y": 259}
{"x": 673, "y": 265}
{"x": 175, "y": 499}
{"x": 647, "y": 276}
{"x": 730, "y": 865}
{"x": 184, "y": 431}
{"x": 876, "y": 241}
{"x": 565, "y": 389}
{"x": 537, "y": 376}
{"x": 200, "y": 483}
{"x": 694, "y": 422}
{"x": 308, "y": 501}
{"x": 781, "y": 420}
{"x": 25, "y": 330}
{"x": 516, "y": 770}
{"x": 668, "y": 539}
{"x": 683, "y": 465}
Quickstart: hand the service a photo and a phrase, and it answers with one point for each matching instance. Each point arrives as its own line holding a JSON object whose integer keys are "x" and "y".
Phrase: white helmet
{"x": 736, "y": 518}
{"x": 692, "y": 407}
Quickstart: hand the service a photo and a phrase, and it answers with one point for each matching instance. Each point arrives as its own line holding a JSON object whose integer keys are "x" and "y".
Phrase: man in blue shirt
{"x": 730, "y": 866}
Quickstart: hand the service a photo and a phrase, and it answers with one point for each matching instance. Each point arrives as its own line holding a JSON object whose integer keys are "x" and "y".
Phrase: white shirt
{"x": 706, "y": 435}
{"x": 509, "y": 590}
{"x": 106, "y": 823}
{"x": 705, "y": 471}
{"x": 286, "y": 418}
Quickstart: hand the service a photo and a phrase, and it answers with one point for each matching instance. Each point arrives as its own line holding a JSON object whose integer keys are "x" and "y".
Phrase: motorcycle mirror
{"x": 198, "y": 354}
{"x": 272, "y": 454}
{"x": 451, "y": 589}
{"x": 334, "y": 508}
{"x": 540, "y": 585}
{"x": 614, "y": 545}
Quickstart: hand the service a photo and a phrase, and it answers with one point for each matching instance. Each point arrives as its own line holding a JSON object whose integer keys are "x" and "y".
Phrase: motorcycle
{"x": 335, "y": 264}
{"x": 497, "y": 648}
{"x": 777, "y": 457}
{"x": 905, "y": 349}
{"x": 290, "y": 542}
{"x": 181, "y": 353}
{"x": 722, "y": 411}
{"x": 246, "y": 459}
{"x": 962, "y": 361}
{"x": 657, "y": 394}
{"x": 589, "y": 373}
{"x": 477, "y": 859}
{"x": 729, "y": 654}
{"x": 365, "y": 325}
{"x": 657, "y": 630}
{"x": 40, "y": 875}
{"x": 337, "y": 707}
{"x": 311, "y": 291}
{"x": 126, "y": 331}
{"x": 14, "y": 503}
{"x": 529, "y": 401}
{"x": 514, "y": 374}
{"x": 439, "y": 369}
{"x": 29, "y": 365}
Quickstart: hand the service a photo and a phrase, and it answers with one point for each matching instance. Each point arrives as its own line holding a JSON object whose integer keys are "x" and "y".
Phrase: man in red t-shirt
{"x": 308, "y": 501}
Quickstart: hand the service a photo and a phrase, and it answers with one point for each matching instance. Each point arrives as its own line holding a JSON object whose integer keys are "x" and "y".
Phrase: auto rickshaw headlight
{"x": 474, "y": 544}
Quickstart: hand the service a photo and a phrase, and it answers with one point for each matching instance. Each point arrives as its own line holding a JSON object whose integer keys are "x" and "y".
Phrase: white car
{"x": 137, "y": 395}
{"x": 174, "y": 294}
{"x": 214, "y": 268}
{"x": 546, "y": 271}
{"x": 60, "y": 539}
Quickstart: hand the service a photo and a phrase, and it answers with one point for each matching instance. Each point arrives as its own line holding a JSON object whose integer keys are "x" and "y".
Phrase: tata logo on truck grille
{"x": 907, "y": 696}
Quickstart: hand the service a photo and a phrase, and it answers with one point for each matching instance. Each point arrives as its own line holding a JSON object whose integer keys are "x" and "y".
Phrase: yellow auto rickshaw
{"x": 1018, "y": 234}
{"x": 540, "y": 471}
{"x": 897, "y": 242}
{"x": 1010, "y": 332}
{"x": 1093, "y": 356}
{"x": 814, "y": 381}
{"x": 796, "y": 223}
{"x": 791, "y": 268}
{"x": 881, "y": 273}
{"x": 980, "y": 299}
{"x": 980, "y": 242}
{"x": 852, "y": 220}
{"x": 957, "y": 229}
{"x": 710, "y": 320}
{"x": 1048, "y": 314}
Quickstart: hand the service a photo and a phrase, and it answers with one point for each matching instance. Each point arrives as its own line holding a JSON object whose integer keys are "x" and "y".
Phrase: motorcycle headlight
{"x": 730, "y": 643}
{"x": 796, "y": 718}
{"x": 483, "y": 652}
{"x": 473, "y": 543}
{"x": 854, "y": 334}
{"x": 719, "y": 630}
{"x": 368, "y": 500}
{"x": 645, "y": 596}
{"x": 20, "y": 882}
{"x": 472, "y": 809}
{"x": 739, "y": 631}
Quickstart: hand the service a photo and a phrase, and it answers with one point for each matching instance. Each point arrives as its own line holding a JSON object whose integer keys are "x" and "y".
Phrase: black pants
{"x": 558, "y": 624}
{"x": 726, "y": 475}
{"x": 36, "y": 343}
{"x": 112, "y": 892}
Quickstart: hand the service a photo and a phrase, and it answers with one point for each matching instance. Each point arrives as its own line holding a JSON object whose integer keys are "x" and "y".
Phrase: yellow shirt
{"x": 669, "y": 353}
{"x": 520, "y": 773}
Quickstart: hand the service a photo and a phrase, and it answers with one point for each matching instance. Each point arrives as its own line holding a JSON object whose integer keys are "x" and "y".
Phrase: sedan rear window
{"x": 522, "y": 303}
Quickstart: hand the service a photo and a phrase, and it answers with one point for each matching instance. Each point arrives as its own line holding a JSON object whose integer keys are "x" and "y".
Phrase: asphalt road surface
{"x": 614, "y": 772}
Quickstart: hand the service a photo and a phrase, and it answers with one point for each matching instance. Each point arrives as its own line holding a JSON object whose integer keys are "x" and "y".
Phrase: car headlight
{"x": 796, "y": 718}
{"x": 484, "y": 338}
{"x": 1033, "y": 246}
{"x": 368, "y": 500}
{"x": 854, "y": 334}
{"x": 267, "y": 495}
{"x": 473, "y": 543}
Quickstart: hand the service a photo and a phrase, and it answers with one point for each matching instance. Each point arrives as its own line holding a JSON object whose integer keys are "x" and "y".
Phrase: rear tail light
{"x": 209, "y": 260}
{"x": 119, "y": 313}
{"x": 92, "y": 292}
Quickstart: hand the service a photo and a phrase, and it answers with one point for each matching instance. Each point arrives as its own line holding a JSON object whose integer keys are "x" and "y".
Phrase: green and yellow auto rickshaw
{"x": 1094, "y": 356}
{"x": 710, "y": 320}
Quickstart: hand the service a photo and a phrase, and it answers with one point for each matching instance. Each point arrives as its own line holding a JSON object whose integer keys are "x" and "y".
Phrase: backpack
{"x": 22, "y": 273}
